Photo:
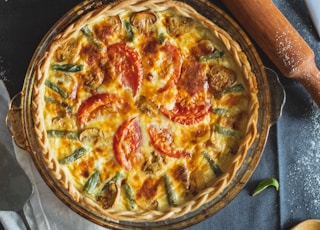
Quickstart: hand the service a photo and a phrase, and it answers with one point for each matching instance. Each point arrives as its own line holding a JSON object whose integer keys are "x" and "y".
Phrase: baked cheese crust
{"x": 145, "y": 109}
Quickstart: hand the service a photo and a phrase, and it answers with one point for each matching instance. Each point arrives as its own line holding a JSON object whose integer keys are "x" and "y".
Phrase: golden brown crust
{"x": 207, "y": 194}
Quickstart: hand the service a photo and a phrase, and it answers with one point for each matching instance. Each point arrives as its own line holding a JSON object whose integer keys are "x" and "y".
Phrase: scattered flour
{"x": 306, "y": 169}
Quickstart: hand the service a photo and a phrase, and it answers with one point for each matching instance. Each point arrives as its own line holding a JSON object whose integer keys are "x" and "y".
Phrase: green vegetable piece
{"x": 161, "y": 38}
{"x": 220, "y": 111}
{"x": 238, "y": 88}
{"x": 130, "y": 196}
{"x": 265, "y": 184}
{"x": 215, "y": 55}
{"x": 54, "y": 133}
{"x": 69, "y": 68}
{"x": 171, "y": 196}
{"x": 92, "y": 182}
{"x": 57, "y": 89}
{"x": 225, "y": 131}
{"x": 213, "y": 165}
{"x": 78, "y": 153}
{"x": 129, "y": 30}
{"x": 69, "y": 108}
{"x": 112, "y": 180}
{"x": 89, "y": 34}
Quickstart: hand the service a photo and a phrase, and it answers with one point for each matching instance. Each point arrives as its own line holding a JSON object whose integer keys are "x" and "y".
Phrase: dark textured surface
{"x": 291, "y": 154}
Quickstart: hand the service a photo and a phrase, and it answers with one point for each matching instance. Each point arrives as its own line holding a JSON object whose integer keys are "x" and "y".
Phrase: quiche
{"x": 145, "y": 110}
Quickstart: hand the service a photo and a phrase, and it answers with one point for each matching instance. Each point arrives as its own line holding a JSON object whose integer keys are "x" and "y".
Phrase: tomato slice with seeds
{"x": 186, "y": 115}
{"x": 94, "y": 103}
{"x": 124, "y": 62}
{"x": 127, "y": 142}
{"x": 162, "y": 141}
{"x": 191, "y": 105}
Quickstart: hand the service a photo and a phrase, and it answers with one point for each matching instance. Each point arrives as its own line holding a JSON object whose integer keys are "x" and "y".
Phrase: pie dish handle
{"x": 277, "y": 95}
{"x": 14, "y": 122}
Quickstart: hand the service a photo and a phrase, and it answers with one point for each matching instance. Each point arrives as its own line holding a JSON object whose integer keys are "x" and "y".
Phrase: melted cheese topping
{"x": 162, "y": 70}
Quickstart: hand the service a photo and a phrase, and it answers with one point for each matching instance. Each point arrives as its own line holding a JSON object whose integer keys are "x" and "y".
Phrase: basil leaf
{"x": 265, "y": 184}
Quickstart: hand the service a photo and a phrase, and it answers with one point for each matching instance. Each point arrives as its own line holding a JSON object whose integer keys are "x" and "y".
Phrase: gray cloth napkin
{"x": 44, "y": 211}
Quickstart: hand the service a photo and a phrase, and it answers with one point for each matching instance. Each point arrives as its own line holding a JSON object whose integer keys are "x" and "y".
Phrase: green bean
{"x": 213, "y": 165}
{"x": 54, "y": 133}
{"x": 238, "y": 88}
{"x": 129, "y": 30}
{"x": 225, "y": 131}
{"x": 112, "y": 180}
{"x": 220, "y": 111}
{"x": 69, "y": 68}
{"x": 215, "y": 55}
{"x": 78, "y": 153}
{"x": 130, "y": 196}
{"x": 171, "y": 196}
{"x": 92, "y": 182}
{"x": 57, "y": 89}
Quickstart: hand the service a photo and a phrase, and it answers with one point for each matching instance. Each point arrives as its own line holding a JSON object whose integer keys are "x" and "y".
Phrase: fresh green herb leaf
{"x": 265, "y": 184}
{"x": 78, "y": 153}
{"x": 70, "y": 68}
{"x": 92, "y": 182}
{"x": 213, "y": 165}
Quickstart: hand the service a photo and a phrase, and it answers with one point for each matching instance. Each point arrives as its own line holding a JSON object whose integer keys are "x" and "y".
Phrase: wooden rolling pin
{"x": 279, "y": 40}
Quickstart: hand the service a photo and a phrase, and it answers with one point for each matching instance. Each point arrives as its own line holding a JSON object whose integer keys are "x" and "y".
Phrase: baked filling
{"x": 145, "y": 109}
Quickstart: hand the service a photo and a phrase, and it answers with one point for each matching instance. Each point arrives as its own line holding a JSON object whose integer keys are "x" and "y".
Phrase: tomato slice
{"x": 162, "y": 141}
{"x": 125, "y": 62}
{"x": 127, "y": 142}
{"x": 94, "y": 103}
{"x": 173, "y": 56}
{"x": 186, "y": 115}
{"x": 191, "y": 105}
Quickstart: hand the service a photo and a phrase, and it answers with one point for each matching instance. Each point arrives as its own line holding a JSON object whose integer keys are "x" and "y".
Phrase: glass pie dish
{"x": 21, "y": 115}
